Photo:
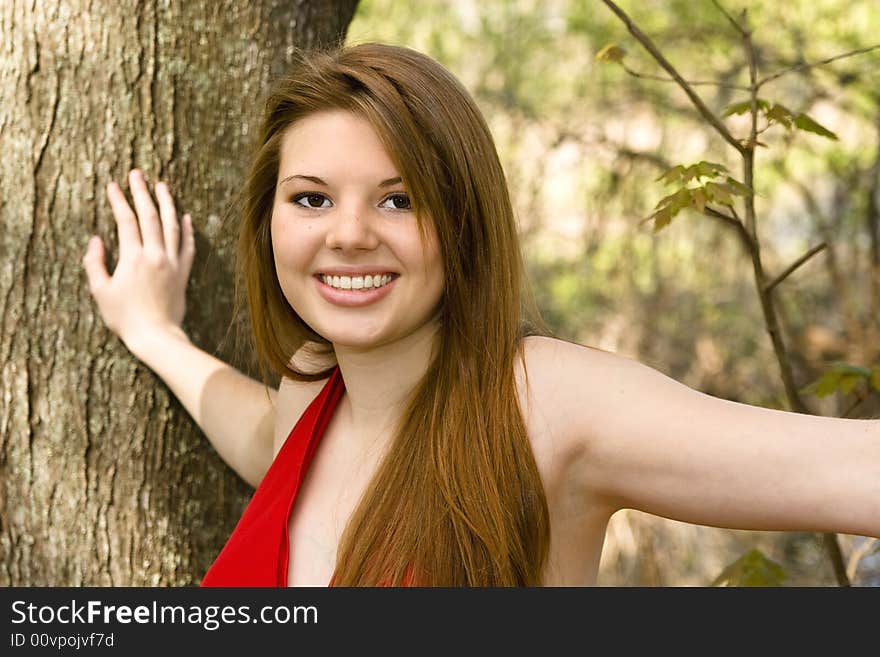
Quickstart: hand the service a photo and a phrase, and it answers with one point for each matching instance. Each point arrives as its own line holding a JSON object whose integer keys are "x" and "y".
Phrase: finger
{"x": 188, "y": 246}
{"x": 148, "y": 217}
{"x": 126, "y": 221}
{"x": 170, "y": 225}
{"x": 93, "y": 263}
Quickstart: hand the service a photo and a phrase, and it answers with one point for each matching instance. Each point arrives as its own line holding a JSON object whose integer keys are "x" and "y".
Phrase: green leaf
{"x": 825, "y": 385}
{"x": 689, "y": 173}
{"x": 804, "y": 122}
{"x": 669, "y": 206}
{"x": 672, "y": 175}
{"x": 846, "y": 368}
{"x": 611, "y": 53}
{"x": 841, "y": 376}
{"x": 875, "y": 378}
{"x": 719, "y": 193}
{"x": 828, "y": 384}
{"x": 662, "y": 218}
{"x": 738, "y": 188}
{"x": 698, "y": 199}
{"x": 745, "y": 106}
{"x": 678, "y": 200}
{"x": 736, "y": 108}
{"x": 683, "y": 174}
{"x": 751, "y": 569}
{"x": 848, "y": 382}
{"x": 709, "y": 169}
{"x": 780, "y": 114}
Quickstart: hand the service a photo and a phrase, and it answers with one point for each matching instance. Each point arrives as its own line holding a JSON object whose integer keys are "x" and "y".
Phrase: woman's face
{"x": 347, "y": 248}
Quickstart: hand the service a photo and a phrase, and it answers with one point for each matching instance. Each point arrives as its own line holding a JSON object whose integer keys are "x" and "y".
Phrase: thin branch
{"x": 707, "y": 114}
{"x": 749, "y": 152}
{"x": 797, "y": 263}
{"x": 860, "y": 397}
{"x": 693, "y": 83}
{"x": 735, "y": 223}
{"x": 832, "y": 545}
{"x": 807, "y": 65}
{"x": 634, "y": 155}
{"x": 712, "y": 212}
{"x": 730, "y": 18}
{"x": 764, "y": 129}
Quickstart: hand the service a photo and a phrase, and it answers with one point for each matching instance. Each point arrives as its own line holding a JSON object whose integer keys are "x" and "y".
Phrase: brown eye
{"x": 312, "y": 200}
{"x": 398, "y": 201}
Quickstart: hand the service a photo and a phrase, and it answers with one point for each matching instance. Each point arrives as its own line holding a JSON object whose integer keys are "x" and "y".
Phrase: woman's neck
{"x": 378, "y": 382}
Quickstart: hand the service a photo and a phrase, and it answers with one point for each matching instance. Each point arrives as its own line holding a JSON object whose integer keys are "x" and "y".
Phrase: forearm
{"x": 235, "y": 412}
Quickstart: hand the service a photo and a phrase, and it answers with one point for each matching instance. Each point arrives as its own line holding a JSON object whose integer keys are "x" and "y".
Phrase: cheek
{"x": 290, "y": 248}
{"x": 437, "y": 268}
{"x": 430, "y": 253}
{"x": 288, "y": 256}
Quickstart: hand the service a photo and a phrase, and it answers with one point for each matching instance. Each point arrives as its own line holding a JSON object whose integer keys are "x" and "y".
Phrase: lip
{"x": 352, "y": 298}
{"x": 354, "y": 270}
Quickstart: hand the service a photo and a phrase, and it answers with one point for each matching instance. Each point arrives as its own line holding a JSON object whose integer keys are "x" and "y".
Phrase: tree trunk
{"x": 104, "y": 478}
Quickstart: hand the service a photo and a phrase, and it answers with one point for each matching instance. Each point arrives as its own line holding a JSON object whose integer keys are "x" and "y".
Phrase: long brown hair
{"x": 457, "y": 499}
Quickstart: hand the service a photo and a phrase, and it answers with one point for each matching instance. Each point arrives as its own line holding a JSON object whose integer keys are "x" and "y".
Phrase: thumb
{"x": 93, "y": 263}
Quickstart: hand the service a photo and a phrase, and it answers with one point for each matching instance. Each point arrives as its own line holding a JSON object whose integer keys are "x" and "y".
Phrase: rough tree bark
{"x": 104, "y": 479}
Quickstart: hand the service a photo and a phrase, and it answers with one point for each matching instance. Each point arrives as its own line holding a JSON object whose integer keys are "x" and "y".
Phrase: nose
{"x": 351, "y": 230}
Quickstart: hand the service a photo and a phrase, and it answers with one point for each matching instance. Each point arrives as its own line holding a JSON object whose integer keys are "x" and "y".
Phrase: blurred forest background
{"x": 583, "y": 143}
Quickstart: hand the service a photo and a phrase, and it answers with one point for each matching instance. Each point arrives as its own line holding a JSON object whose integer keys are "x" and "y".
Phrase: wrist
{"x": 145, "y": 344}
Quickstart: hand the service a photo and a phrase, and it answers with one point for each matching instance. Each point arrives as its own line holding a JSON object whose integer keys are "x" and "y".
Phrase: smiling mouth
{"x": 365, "y": 283}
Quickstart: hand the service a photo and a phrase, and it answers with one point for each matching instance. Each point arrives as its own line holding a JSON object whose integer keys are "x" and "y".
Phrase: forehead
{"x": 334, "y": 142}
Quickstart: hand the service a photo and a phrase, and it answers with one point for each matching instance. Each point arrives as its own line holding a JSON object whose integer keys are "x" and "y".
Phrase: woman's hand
{"x": 147, "y": 293}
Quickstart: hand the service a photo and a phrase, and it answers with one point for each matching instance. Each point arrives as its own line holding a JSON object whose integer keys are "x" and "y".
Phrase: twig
{"x": 860, "y": 397}
{"x": 735, "y": 223}
{"x": 822, "y": 62}
{"x": 693, "y": 83}
{"x": 797, "y": 263}
{"x": 695, "y": 99}
{"x": 832, "y": 545}
{"x": 730, "y": 18}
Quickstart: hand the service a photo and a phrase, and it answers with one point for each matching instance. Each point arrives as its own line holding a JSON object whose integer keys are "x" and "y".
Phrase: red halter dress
{"x": 258, "y": 550}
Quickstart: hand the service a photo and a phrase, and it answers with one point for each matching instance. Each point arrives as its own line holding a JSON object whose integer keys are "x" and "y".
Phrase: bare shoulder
{"x": 569, "y": 393}
{"x": 554, "y": 378}
{"x": 293, "y": 399}
{"x": 568, "y": 371}
{"x": 559, "y": 373}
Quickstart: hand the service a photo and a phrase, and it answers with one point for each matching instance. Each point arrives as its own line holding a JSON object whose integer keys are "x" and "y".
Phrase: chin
{"x": 357, "y": 345}
{"x": 354, "y": 340}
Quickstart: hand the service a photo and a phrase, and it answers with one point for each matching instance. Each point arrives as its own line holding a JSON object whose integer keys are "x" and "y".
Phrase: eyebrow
{"x": 314, "y": 179}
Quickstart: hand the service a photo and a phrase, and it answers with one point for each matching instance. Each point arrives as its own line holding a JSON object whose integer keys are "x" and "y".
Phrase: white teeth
{"x": 356, "y": 282}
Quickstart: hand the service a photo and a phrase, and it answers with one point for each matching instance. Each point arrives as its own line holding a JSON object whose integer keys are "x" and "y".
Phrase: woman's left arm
{"x": 647, "y": 442}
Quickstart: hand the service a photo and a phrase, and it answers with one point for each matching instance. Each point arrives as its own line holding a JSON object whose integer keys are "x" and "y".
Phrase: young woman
{"x": 424, "y": 431}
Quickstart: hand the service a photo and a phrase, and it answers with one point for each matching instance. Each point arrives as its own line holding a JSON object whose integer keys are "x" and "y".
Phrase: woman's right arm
{"x": 144, "y": 303}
